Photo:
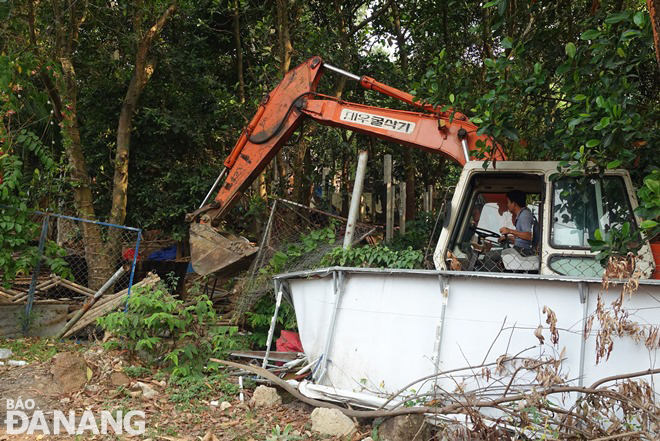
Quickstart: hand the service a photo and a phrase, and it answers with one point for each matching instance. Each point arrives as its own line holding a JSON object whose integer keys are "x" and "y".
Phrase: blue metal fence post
{"x": 135, "y": 257}
{"x": 35, "y": 275}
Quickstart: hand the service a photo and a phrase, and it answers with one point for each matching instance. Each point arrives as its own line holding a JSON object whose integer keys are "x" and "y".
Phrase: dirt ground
{"x": 102, "y": 384}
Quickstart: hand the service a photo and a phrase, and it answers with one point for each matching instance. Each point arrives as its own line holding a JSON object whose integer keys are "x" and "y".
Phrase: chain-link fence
{"x": 75, "y": 258}
{"x": 296, "y": 238}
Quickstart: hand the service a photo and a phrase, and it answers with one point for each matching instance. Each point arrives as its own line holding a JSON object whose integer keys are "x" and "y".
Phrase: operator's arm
{"x": 524, "y": 235}
{"x": 524, "y": 225}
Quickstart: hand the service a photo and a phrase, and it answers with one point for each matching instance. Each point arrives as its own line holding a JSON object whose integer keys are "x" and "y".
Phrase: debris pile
{"x": 50, "y": 289}
{"x": 107, "y": 305}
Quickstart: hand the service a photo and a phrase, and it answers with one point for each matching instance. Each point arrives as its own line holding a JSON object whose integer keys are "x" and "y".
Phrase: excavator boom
{"x": 281, "y": 112}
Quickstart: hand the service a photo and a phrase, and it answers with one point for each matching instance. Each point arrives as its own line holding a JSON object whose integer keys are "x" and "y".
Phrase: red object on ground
{"x": 655, "y": 248}
{"x": 289, "y": 341}
{"x": 129, "y": 254}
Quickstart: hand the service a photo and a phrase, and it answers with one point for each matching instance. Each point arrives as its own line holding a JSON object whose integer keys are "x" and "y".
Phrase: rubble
{"x": 107, "y": 305}
{"x": 404, "y": 427}
{"x": 69, "y": 371}
{"x": 222, "y": 406}
{"x": 332, "y": 422}
{"x": 119, "y": 379}
{"x": 148, "y": 392}
{"x": 265, "y": 397}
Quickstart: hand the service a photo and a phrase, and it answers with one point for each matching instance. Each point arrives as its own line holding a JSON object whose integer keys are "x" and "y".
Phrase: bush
{"x": 379, "y": 256}
{"x": 418, "y": 233}
{"x": 260, "y": 316}
{"x": 181, "y": 338}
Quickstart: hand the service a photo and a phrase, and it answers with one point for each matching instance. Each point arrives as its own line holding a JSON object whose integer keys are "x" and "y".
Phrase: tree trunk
{"x": 144, "y": 68}
{"x": 239, "y": 53}
{"x": 284, "y": 37}
{"x": 408, "y": 162}
{"x": 98, "y": 264}
{"x": 654, "y": 12}
{"x": 63, "y": 94}
{"x": 486, "y": 38}
{"x": 100, "y": 254}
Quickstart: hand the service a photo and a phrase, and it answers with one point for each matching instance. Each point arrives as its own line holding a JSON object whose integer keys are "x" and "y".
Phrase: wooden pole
{"x": 402, "y": 208}
{"x": 389, "y": 209}
{"x": 430, "y": 187}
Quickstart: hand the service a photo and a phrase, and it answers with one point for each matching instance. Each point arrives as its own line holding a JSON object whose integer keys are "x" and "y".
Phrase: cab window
{"x": 582, "y": 206}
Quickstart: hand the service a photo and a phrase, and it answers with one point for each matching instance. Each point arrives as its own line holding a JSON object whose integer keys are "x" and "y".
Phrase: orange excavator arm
{"x": 295, "y": 99}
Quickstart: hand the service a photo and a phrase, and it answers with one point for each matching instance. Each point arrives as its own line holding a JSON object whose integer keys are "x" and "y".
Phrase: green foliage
{"x": 260, "y": 316}
{"x": 137, "y": 371}
{"x": 39, "y": 349}
{"x": 25, "y": 165}
{"x": 419, "y": 233}
{"x": 649, "y": 205}
{"x": 379, "y": 256}
{"x": 182, "y": 338}
{"x": 195, "y": 388}
{"x": 277, "y": 434}
{"x": 594, "y": 103}
{"x": 261, "y": 313}
{"x": 294, "y": 251}
{"x": 617, "y": 242}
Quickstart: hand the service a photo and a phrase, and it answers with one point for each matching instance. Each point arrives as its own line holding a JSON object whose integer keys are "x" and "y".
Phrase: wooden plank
{"x": 77, "y": 288}
{"x": 110, "y": 304}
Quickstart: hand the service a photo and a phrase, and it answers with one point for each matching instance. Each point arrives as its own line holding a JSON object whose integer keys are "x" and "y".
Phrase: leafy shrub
{"x": 618, "y": 242}
{"x": 196, "y": 388}
{"x": 649, "y": 204}
{"x": 379, "y": 256}
{"x": 18, "y": 254}
{"x": 180, "y": 337}
{"x": 282, "y": 260}
{"x": 136, "y": 371}
{"x": 260, "y": 316}
{"x": 418, "y": 233}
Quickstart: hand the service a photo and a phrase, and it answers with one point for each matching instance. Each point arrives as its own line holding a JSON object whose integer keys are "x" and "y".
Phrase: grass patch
{"x": 137, "y": 371}
{"x": 38, "y": 349}
{"x": 195, "y": 388}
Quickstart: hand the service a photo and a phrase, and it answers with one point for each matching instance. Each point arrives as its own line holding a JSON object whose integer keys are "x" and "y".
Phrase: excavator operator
{"x": 521, "y": 236}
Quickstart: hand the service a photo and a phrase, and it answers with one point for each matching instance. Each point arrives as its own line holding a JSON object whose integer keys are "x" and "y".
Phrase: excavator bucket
{"x": 211, "y": 252}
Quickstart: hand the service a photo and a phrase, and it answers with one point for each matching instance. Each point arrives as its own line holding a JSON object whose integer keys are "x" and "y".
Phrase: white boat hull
{"x": 377, "y": 331}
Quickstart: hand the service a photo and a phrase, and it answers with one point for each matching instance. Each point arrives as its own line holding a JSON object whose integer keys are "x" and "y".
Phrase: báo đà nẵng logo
{"x": 19, "y": 422}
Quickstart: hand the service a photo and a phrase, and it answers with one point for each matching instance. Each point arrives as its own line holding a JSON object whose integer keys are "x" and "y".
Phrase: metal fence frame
{"x": 42, "y": 242}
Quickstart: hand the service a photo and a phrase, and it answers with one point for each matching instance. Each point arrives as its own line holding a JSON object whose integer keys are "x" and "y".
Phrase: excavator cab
{"x": 478, "y": 244}
{"x": 567, "y": 211}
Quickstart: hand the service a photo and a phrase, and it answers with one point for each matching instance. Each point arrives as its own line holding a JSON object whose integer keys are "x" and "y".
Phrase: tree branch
{"x": 449, "y": 409}
{"x": 371, "y": 18}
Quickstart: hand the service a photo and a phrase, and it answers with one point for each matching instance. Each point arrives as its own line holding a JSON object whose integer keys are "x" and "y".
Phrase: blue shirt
{"x": 524, "y": 223}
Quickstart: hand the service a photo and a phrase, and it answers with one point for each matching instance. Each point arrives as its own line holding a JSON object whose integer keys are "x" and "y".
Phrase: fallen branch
{"x": 457, "y": 407}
